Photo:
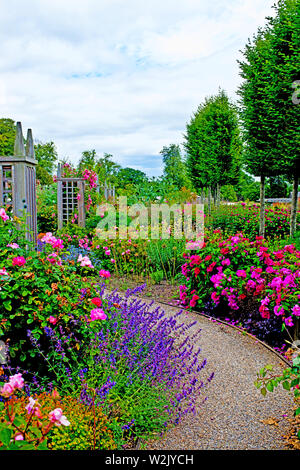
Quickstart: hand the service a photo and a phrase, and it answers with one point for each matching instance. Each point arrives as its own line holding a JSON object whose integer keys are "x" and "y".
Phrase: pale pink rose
{"x": 3, "y": 215}
{"x": 7, "y": 390}
{"x": 13, "y": 245}
{"x": 16, "y": 381}
{"x": 56, "y": 416}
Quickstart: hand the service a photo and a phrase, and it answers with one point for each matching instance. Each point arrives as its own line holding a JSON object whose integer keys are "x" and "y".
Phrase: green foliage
{"x": 7, "y": 136}
{"x": 228, "y": 193}
{"x": 267, "y": 381}
{"x": 130, "y": 176}
{"x": 175, "y": 171}
{"x": 47, "y": 208}
{"x": 46, "y": 155}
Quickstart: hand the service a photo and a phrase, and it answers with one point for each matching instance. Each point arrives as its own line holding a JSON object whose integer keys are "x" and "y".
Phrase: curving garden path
{"x": 231, "y": 417}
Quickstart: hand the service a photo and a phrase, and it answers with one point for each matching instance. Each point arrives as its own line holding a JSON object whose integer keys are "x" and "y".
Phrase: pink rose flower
{"x": 98, "y": 314}
{"x": 14, "y": 246}
{"x": 56, "y": 417}
{"x": 19, "y": 261}
{"x": 3, "y": 215}
{"x": 103, "y": 273}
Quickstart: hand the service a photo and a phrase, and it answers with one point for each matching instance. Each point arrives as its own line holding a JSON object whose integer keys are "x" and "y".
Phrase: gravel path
{"x": 232, "y": 414}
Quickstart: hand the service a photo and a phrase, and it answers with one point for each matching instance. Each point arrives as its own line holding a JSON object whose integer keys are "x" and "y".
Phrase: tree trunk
{"x": 214, "y": 196}
{"x": 293, "y": 221}
{"x": 209, "y": 200}
{"x": 218, "y": 195}
{"x": 202, "y": 196}
{"x": 262, "y": 206}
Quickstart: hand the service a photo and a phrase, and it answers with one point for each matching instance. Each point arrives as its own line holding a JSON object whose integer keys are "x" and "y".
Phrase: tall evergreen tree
{"x": 213, "y": 144}
{"x": 270, "y": 118}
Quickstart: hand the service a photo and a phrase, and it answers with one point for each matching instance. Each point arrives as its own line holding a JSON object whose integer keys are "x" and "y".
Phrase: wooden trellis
{"x": 18, "y": 181}
{"x": 70, "y": 199}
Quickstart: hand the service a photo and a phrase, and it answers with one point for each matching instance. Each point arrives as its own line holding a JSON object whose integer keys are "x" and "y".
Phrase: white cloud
{"x": 120, "y": 77}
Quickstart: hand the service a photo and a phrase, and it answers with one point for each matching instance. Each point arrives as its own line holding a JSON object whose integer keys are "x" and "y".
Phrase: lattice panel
{"x": 6, "y": 183}
{"x": 69, "y": 200}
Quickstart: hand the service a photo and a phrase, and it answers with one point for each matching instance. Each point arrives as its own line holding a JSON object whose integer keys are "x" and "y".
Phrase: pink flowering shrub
{"x": 25, "y": 427}
{"x": 245, "y": 218}
{"x": 235, "y": 272}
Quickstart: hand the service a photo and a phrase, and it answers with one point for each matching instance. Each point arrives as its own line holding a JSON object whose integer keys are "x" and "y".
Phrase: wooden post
{"x": 21, "y": 168}
{"x": 209, "y": 200}
{"x": 293, "y": 220}
{"x": 81, "y": 207}
{"x": 59, "y": 199}
{"x": 262, "y": 206}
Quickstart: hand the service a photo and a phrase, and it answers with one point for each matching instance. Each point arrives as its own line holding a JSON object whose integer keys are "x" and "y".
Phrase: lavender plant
{"x": 139, "y": 365}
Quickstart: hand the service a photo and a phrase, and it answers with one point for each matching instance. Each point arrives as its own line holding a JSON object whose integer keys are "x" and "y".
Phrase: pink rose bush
{"x": 3, "y": 215}
{"x": 234, "y": 271}
{"x": 29, "y": 430}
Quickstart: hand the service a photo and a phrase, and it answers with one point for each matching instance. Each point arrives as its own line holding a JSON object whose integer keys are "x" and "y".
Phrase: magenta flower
{"x": 289, "y": 321}
{"x": 296, "y": 310}
{"x": 3, "y": 215}
{"x": 226, "y": 262}
{"x": 278, "y": 310}
{"x": 103, "y": 273}
{"x": 215, "y": 297}
{"x": 19, "y": 261}
{"x": 98, "y": 314}
{"x": 241, "y": 273}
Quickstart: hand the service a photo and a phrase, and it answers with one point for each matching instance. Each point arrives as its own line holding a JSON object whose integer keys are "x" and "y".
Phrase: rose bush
{"x": 240, "y": 277}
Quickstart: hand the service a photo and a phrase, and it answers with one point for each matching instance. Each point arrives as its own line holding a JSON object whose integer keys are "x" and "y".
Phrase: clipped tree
{"x": 213, "y": 144}
{"x": 270, "y": 118}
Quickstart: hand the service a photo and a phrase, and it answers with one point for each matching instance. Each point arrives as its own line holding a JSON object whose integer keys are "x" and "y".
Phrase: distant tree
{"x": 175, "y": 171}
{"x": 248, "y": 188}
{"x": 107, "y": 169}
{"x": 277, "y": 186}
{"x": 130, "y": 176}
{"x": 88, "y": 160}
{"x": 7, "y": 136}
{"x": 43, "y": 176}
{"x": 46, "y": 155}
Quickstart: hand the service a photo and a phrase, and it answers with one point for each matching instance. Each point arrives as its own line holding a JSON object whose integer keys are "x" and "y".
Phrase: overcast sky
{"x": 119, "y": 76}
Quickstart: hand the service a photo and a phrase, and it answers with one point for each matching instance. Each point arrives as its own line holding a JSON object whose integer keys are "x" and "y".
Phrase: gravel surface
{"x": 231, "y": 417}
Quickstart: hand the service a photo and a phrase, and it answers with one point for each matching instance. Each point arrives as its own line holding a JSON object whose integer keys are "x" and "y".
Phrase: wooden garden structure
{"x": 70, "y": 199}
{"x": 18, "y": 181}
